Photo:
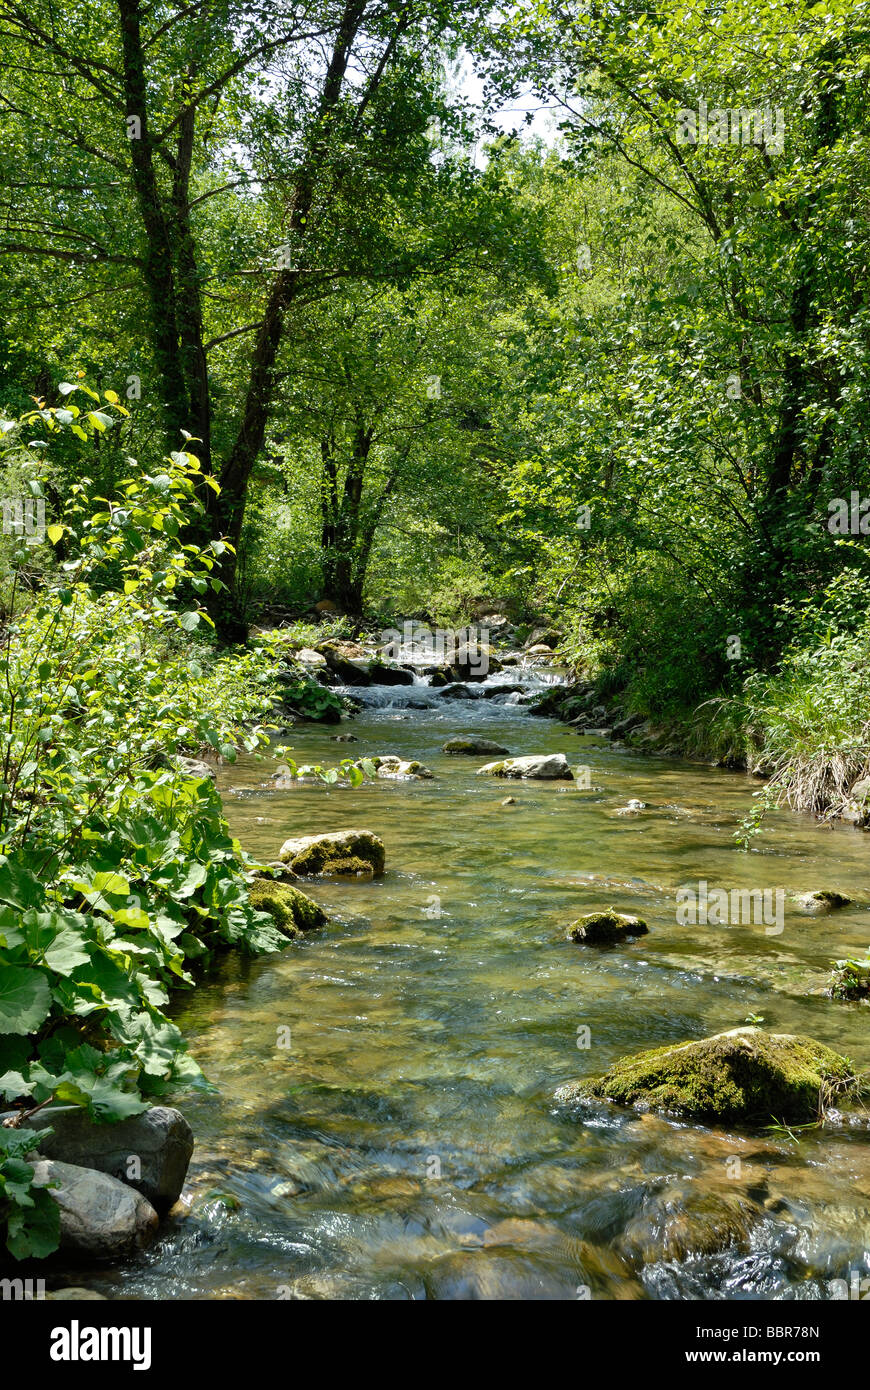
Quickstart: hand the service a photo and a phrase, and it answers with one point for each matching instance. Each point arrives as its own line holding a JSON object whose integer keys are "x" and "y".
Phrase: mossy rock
{"x": 605, "y": 928}
{"x": 351, "y": 867}
{"x": 823, "y": 900}
{"x": 472, "y": 745}
{"x": 391, "y": 766}
{"x": 309, "y": 855}
{"x": 291, "y": 910}
{"x": 742, "y": 1077}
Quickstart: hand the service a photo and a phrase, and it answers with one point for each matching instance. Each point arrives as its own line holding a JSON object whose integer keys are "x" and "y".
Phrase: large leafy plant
{"x": 117, "y": 869}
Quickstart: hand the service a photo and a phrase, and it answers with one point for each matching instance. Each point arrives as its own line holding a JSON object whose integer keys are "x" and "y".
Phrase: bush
{"x": 117, "y": 875}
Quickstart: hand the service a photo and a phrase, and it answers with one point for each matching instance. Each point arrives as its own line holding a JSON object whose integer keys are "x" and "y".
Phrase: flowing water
{"x": 406, "y": 1144}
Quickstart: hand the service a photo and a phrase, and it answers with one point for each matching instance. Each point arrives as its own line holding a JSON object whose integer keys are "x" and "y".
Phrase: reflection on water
{"x": 406, "y": 1146}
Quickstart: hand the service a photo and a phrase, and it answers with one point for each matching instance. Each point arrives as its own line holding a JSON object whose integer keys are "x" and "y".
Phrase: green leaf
{"x": 34, "y": 1232}
{"x": 25, "y": 999}
{"x": 18, "y": 885}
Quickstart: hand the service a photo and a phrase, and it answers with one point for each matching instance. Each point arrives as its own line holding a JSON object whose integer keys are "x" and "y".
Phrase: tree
{"x": 222, "y": 158}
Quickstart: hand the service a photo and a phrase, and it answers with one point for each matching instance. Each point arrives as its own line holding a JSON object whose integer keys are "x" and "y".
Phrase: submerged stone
{"x": 313, "y": 854}
{"x": 291, "y": 910}
{"x": 605, "y": 928}
{"x": 679, "y": 1221}
{"x": 742, "y": 1076}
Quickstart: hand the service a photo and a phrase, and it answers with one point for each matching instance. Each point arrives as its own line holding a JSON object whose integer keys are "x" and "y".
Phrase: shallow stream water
{"x": 406, "y": 1144}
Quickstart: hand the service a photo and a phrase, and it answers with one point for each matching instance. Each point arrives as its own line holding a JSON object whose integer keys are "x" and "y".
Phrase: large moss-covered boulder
{"x": 291, "y": 910}
{"x": 744, "y": 1076}
{"x": 308, "y": 855}
{"x": 606, "y": 928}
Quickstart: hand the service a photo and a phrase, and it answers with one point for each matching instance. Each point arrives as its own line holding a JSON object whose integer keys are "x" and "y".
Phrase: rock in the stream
{"x": 312, "y": 854}
{"x": 744, "y": 1076}
{"x": 605, "y": 928}
{"x": 856, "y": 810}
{"x": 351, "y": 867}
{"x": 308, "y": 657}
{"x": 390, "y": 675}
{"x": 544, "y": 766}
{"x": 393, "y": 767}
{"x": 823, "y": 900}
{"x": 472, "y": 745}
{"x": 100, "y": 1217}
{"x": 150, "y": 1152}
{"x": 474, "y": 662}
{"x": 678, "y": 1221}
{"x": 461, "y": 692}
{"x": 349, "y": 661}
{"x": 291, "y": 910}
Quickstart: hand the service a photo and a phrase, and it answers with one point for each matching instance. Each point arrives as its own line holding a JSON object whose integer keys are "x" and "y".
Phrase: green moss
{"x": 743, "y": 1076}
{"x": 605, "y": 928}
{"x": 349, "y": 867}
{"x": 316, "y": 854}
{"x": 824, "y": 900}
{"x": 294, "y": 912}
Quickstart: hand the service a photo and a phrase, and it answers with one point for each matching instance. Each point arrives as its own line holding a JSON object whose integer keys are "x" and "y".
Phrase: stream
{"x": 406, "y": 1145}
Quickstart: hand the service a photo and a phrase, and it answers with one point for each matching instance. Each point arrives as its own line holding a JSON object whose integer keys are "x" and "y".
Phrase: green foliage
{"x": 118, "y": 875}
{"x": 850, "y": 979}
{"x": 28, "y": 1214}
{"x": 812, "y": 711}
{"x": 313, "y": 701}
